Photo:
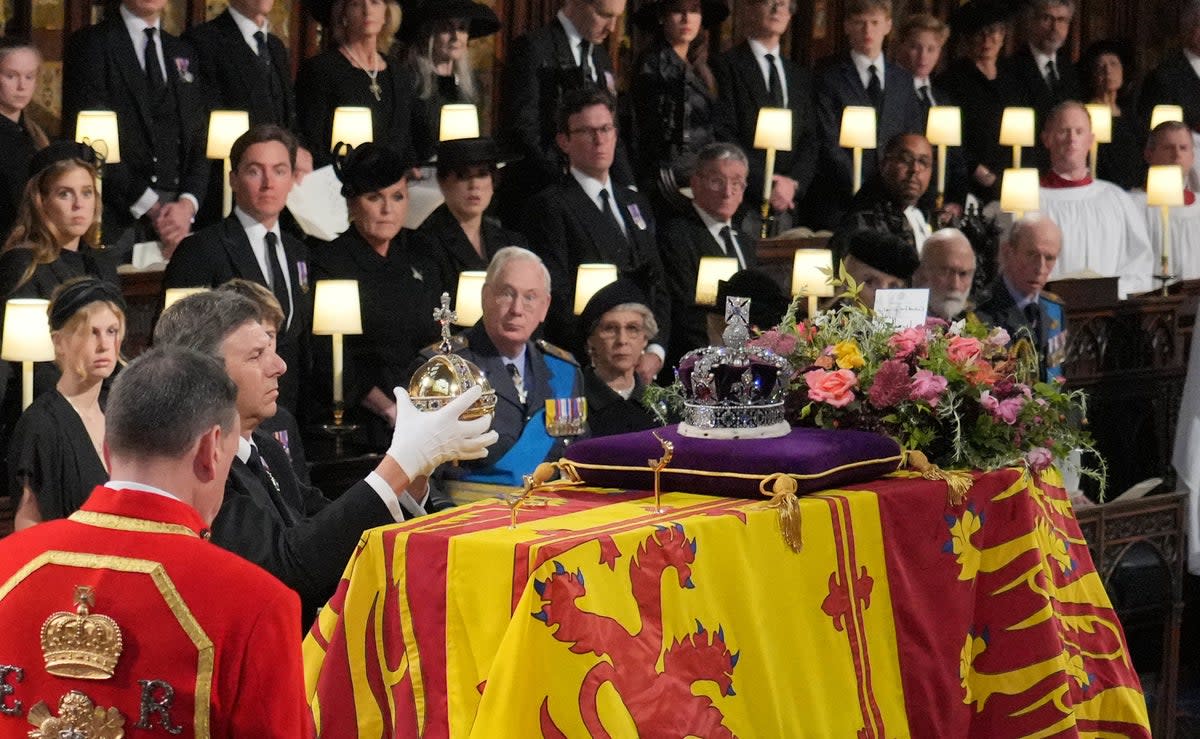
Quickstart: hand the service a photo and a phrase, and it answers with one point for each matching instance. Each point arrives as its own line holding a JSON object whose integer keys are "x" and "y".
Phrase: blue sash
{"x": 1056, "y": 338}
{"x": 534, "y": 444}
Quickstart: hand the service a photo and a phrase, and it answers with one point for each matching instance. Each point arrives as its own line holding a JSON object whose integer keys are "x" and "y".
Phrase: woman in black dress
{"x": 619, "y": 327}
{"x": 436, "y": 35}
{"x": 673, "y": 94}
{"x": 55, "y": 459}
{"x": 398, "y": 286}
{"x": 458, "y": 234}
{"x": 1106, "y": 71}
{"x": 360, "y": 71}
{"x": 20, "y": 137}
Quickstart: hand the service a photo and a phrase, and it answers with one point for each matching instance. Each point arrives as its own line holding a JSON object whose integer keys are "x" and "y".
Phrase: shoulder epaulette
{"x": 557, "y": 351}
{"x": 1052, "y": 297}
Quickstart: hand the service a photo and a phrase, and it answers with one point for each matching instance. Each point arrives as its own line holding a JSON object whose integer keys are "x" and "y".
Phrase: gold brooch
{"x": 77, "y": 716}
{"x": 80, "y": 644}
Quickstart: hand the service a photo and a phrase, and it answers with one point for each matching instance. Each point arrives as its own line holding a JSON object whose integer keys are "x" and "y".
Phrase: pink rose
{"x": 998, "y": 337}
{"x": 1038, "y": 458}
{"x": 1006, "y": 410}
{"x": 927, "y": 386}
{"x": 777, "y": 341}
{"x": 834, "y": 388}
{"x": 908, "y": 341}
{"x": 963, "y": 349}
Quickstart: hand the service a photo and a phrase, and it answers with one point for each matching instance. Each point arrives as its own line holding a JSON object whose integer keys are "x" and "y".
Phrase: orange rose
{"x": 963, "y": 349}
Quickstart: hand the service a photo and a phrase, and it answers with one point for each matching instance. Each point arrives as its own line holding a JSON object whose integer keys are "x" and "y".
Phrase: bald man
{"x": 947, "y": 268}
{"x": 1172, "y": 143}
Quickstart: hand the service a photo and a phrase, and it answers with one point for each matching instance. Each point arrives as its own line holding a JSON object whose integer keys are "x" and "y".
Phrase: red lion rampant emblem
{"x": 661, "y": 703}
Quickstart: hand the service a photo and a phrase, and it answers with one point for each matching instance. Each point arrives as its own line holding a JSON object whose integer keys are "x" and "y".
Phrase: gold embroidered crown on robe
{"x": 82, "y": 645}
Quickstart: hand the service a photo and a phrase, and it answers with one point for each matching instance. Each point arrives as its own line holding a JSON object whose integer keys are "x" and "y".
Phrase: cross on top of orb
{"x": 445, "y": 316}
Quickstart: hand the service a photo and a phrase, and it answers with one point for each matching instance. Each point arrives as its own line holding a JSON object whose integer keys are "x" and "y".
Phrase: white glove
{"x": 423, "y": 440}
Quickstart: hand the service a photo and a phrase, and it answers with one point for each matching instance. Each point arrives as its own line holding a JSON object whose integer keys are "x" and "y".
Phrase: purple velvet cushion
{"x": 816, "y": 458}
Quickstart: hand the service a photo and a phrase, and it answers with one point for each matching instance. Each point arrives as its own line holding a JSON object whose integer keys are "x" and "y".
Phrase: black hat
{"x": 76, "y": 293}
{"x": 481, "y": 20}
{"x": 608, "y": 297}
{"x": 61, "y": 150}
{"x": 467, "y": 152}
{"x": 883, "y": 251}
{"x": 976, "y": 15}
{"x": 768, "y": 302}
{"x": 712, "y": 13}
{"x": 369, "y": 167}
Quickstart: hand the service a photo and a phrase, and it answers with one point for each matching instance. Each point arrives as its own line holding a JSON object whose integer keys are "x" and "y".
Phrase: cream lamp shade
{"x": 459, "y": 121}
{"x": 1164, "y": 113}
{"x": 1016, "y": 127}
{"x": 336, "y": 308}
{"x": 858, "y": 127}
{"x": 352, "y": 126}
{"x": 98, "y": 129}
{"x": 224, "y": 127}
{"x": 468, "y": 303}
{"x": 1019, "y": 191}
{"x": 588, "y": 281}
{"x": 774, "y": 129}
{"x": 944, "y": 125}
{"x": 26, "y": 331}
{"x": 1101, "y": 116}
{"x": 807, "y": 277}
{"x": 713, "y": 270}
{"x": 1164, "y": 185}
{"x": 175, "y": 294}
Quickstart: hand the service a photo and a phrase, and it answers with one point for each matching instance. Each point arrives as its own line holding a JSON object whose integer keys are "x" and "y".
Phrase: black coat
{"x": 1174, "y": 82}
{"x": 672, "y": 115}
{"x": 609, "y": 413}
{"x": 441, "y": 238}
{"x": 566, "y": 228}
{"x": 741, "y": 91}
{"x": 232, "y": 76}
{"x": 982, "y": 102}
{"x": 16, "y": 149}
{"x": 220, "y": 252}
{"x": 101, "y": 71}
{"x": 1035, "y": 91}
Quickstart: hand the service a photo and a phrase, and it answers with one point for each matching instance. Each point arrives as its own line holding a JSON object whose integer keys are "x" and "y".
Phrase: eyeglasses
{"x": 908, "y": 160}
{"x": 596, "y": 132}
{"x": 505, "y": 297}
{"x": 612, "y": 330}
{"x": 720, "y": 184}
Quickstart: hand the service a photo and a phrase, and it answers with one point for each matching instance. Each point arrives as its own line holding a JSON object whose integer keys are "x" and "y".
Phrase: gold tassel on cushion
{"x": 781, "y": 489}
{"x": 958, "y": 482}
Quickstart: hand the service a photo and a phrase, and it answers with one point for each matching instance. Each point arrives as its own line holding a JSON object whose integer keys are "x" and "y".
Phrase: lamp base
{"x": 338, "y": 430}
{"x": 1164, "y": 279}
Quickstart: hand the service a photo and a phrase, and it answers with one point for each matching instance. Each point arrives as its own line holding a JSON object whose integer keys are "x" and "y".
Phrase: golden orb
{"x": 446, "y": 376}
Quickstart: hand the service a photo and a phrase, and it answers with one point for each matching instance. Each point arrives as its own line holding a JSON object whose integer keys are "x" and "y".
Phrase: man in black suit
{"x": 587, "y": 217}
{"x": 268, "y": 516}
{"x": 1042, "y": 68}
{"x": 567, "y": 54}
{"x": 861, "y": 77}
{"x": 128, "y": 64}
{"x": 752, "y": 75}
{"x": 1176, "y": 81}
{"x": 249, "y": 244}
{"x": 707, "y": 230}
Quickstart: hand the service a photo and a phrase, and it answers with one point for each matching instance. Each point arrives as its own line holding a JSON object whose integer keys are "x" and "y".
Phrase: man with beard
{"x": 947, "y": 268}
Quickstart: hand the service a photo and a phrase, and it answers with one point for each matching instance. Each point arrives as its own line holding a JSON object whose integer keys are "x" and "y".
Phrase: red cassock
{"x": 209, "y": 643}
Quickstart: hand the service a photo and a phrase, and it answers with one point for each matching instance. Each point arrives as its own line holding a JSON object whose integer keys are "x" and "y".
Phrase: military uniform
{"x": 169, "y": 652}
{"x": 550, "y": 373}
{"x": 1048, "y": 336}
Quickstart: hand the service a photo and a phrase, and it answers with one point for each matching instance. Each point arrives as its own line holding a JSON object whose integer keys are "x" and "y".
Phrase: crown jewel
{"x": 734, "y": 391}
{"x": 447, "y": 375}
{"x": 81, "y": 644}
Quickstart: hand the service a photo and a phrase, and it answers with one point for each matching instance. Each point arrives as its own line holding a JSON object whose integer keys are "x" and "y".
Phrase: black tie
{"x": 278, "y": 282}
{"x": 606, "y": 209}
{"x": 925, "y": 96}
{"x": 1032, "y": 317}
{"x": 585, "y": 60}
{"x": 264, "y": 53}
{"x": 518, "y": 382}
{"x": 774, "y": 84}
{"x": 731, "y": 246}
{"x": 1052, "y": 75}
{"x": 874, "y": 89}
{"x": 154, "y": 74}
{"x": 259, "y": 467}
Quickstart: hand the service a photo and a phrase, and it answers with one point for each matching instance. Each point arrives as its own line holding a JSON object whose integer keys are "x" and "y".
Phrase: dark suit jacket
{"x": 999, "y": 309}
{"x": 220, "y": 252}
{"x": 838, "y": 85}
{"x": 309, "y": 550}
{"x": 1037, "y": 94}
{"x": 683, "y": 240}
{"x": 101, "y": 71}
{"x": 229, "y": 72}
{"x": 957, "y": 175}
{"x": 567, "y": 229}
{"x": 741, "y": 91}
{"x": 1174, "y": 82}
{"x": 441, "y": 237}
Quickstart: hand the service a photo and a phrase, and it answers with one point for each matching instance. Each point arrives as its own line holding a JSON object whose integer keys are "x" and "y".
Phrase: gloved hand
{"x": 421, "y": 441}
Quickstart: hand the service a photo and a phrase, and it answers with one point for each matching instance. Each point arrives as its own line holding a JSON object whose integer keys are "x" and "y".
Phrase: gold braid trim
{"x": 782, "y": 493}
{"x": 577, "y": 466}
{"x": 124, "y": 523}
{"x": 958, "y": 482}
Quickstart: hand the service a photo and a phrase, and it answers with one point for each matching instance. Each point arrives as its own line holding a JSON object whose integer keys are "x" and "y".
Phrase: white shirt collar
{"x": 247, "y": 27}
{"x": 518, "y": 360}
{"x": 244, "y": 447}
{"x": 1018, "y": 298}
{"x": 920, "y": 227}
{"x": 136, "y": 27}
{"x": 713, "y": 225}
{"x": 1041, "y": 59}
{"x": 760, "y": 54}
{"x": 919, "y": 82}
{"x": 861, "y": 62}
{"x": 759, "y": 49}
{"x": 1193, "y": 59}
{"x": 138, "y": 486}
{"x": 593, "y": 186}
{"x": 573, "y": 36}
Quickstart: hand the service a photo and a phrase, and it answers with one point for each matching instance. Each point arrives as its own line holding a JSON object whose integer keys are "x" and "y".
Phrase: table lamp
{"x": 858, "y": 133}
{"x": 1164, "y": 188}
{"x": 808, "y": 278}
{"x": 458, "y": 121}
{"x": 224, "y": 127}
{"x": 1163, "y": 113}
{"x": 26, "y": 339}
{"x": 772, "y": 133}
{"x": 336, "y": 312}
{"x": 1017, "y": 130}
{"x": 1019, "y": 192}
{"x": 174, "y": 294}
{"x": 1101, "y": 116}
{"x": 588, "y": 281}
{"x": 943, "y": 128}
{"x": 352, "y": 126}
{"x": 713, "y": 270}
{"x": 98, "y": 129}
{"x": 468, "y": 303}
